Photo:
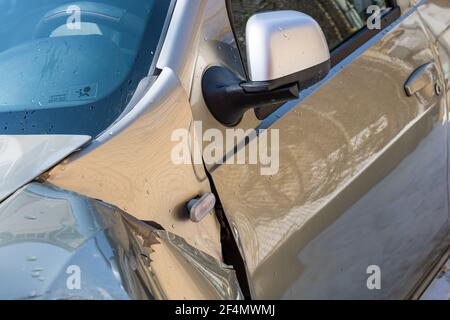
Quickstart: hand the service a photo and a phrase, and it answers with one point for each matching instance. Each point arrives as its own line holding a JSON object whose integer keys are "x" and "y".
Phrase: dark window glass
{"x": 339, "y": 19}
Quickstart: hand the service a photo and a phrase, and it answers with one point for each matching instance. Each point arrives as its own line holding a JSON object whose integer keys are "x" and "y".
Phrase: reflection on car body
{"x": 92, "y": 205}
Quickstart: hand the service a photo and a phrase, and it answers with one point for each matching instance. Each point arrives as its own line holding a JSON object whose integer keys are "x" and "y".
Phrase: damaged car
{"x": 223, "y": 149}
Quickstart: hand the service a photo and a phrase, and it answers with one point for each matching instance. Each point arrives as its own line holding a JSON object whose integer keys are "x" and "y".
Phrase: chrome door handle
{"x": 422, "y": 77}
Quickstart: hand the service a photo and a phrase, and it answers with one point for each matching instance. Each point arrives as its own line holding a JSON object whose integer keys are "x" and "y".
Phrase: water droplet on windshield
{"x": 36, "y": 274}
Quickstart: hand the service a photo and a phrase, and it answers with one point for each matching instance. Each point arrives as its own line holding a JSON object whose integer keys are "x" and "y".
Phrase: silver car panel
{"x": 362, "y": 177}
{"x": 130, "y": 166}
{"x": 51, "y": 236}
{"x": 24, "y": 157}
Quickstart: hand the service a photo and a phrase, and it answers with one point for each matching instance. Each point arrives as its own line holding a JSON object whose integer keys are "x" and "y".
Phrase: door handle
{"x": 422, "y": 77}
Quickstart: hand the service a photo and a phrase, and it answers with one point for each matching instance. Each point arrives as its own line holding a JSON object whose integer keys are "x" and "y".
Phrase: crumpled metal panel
{"x": 56, "y": 244}
{"x": 23, "y": 157}
{"x": 130, "y": 166}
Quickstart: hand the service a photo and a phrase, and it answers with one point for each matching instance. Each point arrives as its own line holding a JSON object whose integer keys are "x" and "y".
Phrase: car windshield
{"x": 71, "y": 67}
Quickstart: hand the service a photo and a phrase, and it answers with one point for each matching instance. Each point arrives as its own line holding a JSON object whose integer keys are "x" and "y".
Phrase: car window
{"x": 73, "y": 66}
{"x": 339, "y": 19}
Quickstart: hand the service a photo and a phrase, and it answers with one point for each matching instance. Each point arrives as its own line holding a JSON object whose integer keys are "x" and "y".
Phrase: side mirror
{"x": 286, "y": 51}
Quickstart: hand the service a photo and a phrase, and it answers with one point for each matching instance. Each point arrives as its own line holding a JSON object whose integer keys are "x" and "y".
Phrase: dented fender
{"x": 61, "y": 245}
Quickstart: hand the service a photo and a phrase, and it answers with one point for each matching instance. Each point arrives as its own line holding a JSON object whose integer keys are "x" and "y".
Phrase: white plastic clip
{"x": 200, "y": 207}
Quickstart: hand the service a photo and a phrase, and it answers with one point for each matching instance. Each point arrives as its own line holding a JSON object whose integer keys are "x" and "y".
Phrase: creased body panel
{"x": 130, "y": 166}
{"x": 61, "y": 245}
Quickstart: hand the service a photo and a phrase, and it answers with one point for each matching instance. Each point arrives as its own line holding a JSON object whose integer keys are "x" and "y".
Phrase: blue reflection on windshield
{"x": 71, "y": 67}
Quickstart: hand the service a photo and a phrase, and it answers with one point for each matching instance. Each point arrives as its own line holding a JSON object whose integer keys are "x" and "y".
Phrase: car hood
{"x": 24, "y": 157}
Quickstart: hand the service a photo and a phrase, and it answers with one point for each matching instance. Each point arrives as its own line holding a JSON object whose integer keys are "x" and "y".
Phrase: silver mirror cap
{"x": 281, "y": 43}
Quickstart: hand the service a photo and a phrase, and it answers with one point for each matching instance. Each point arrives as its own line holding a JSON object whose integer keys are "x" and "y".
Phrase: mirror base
{"x": 227, "y": 98}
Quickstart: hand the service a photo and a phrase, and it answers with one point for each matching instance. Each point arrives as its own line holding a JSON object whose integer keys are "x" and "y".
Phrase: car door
{"x": 357, "y": 206}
